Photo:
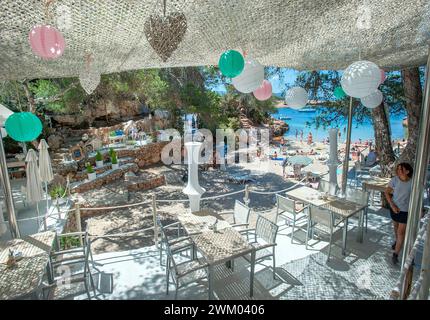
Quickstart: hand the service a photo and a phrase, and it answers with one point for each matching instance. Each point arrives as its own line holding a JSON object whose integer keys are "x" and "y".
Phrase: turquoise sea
{"x": 301, "y": 120}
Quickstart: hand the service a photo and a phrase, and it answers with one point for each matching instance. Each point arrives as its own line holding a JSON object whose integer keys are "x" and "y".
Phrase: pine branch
{"x": 58, "y": 96}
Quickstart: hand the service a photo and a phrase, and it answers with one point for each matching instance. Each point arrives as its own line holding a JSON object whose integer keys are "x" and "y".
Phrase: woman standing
{"x": 398, "y": 194}
{"x": 310, "y": 138}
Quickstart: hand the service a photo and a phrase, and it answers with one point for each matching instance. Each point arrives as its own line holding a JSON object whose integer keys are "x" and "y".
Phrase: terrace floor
{"x": 130, "y": 267}
{"x": 366, "y": 272}
{"x": 26, "y": 213}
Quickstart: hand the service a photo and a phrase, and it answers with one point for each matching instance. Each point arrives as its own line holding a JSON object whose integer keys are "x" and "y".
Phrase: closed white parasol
{"x": 45, "y": 167}
{"x": 34, "y": 183}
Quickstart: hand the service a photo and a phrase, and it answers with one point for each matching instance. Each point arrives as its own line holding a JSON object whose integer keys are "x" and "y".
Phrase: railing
{"x": 154, "y": 202}
{"x": 246, "y": 190}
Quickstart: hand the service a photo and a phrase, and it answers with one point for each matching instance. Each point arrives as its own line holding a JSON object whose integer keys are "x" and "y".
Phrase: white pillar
{"x": 333, "y": 161}
{"x": 193, "y": 188}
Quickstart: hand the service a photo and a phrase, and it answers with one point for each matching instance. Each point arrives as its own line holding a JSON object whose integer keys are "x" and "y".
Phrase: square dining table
{"x": 216, "y": 246}
{"x": 343, "y": 208}
{"x": 24, "y": 279}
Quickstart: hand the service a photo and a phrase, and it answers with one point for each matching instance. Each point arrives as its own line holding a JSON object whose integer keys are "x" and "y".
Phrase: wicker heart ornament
{"x": 165, "y": 33}
{"x": 89, "y": 81}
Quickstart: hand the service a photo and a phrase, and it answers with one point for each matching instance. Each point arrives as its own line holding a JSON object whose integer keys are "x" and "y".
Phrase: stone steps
{"x": 245, "y": 122}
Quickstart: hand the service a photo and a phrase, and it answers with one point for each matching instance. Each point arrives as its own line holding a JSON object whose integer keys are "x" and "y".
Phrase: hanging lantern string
{"x": 48, "y": 14}
{"x": 88, "y": 61}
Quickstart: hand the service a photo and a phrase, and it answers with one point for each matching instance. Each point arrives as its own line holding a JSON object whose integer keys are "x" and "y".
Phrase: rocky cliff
{"x": 101, "y": 112}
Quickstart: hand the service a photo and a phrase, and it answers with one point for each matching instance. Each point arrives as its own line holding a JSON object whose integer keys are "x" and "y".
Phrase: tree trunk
{"x": 30, "y": 98}
{"x": 383, "y": 145}
{"x": 413, "y": 95}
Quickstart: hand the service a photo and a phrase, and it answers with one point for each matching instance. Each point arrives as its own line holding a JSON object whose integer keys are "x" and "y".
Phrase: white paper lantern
{"x": 89, "y": 81}
{"x": 296, "y": 98}
{"x": 250, "y": 78}
{"x": 361, "y": 79}
{"x": 373, "y": 100}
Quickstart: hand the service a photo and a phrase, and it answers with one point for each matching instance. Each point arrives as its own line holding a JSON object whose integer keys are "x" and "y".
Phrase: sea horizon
{"x": 364, "y": 131}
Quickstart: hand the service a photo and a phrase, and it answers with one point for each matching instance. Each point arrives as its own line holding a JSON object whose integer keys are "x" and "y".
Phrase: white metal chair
{"x": 69, "y": 248}
{"x": 324, "y": 221}
{"x": 264, "y": 241}
{"x": 287, "y": 209}
{"x": 183, "y": 273}
{"x": 71, "y": 268}
{"x": 240, "y": 213}
{"x": 324, "y": 186}
{"x": 170, "y": 236}
{"x": 360, "y": 197}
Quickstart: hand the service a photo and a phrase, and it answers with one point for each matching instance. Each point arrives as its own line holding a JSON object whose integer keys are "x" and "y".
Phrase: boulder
{"x": 58, "y": 181}
{"x": 55, "y": 141}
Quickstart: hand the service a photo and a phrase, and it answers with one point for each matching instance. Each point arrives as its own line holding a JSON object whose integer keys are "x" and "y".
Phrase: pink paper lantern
{"x": 264, "y": 91}
{"x": 46, "y": 42}
{"x": 383, "y": 77}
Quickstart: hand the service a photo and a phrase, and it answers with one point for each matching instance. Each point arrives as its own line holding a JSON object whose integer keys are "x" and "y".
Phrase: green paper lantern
{"x": 339, "y": 93}
{"x": 23, "y": 126}
{"x": 231, "y": 63}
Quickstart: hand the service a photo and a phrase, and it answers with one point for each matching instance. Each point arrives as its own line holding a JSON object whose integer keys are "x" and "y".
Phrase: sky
{"x": 278, "y": 81}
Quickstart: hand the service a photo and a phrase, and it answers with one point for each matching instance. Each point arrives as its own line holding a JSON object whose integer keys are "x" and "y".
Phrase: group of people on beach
{"x": 310, "y": 137}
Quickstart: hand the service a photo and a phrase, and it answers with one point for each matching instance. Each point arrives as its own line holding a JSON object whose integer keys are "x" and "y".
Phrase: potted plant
{"x": 58, "y": 193}
{"x": 91, "y": 173}
{"x": 114, "y": 160}
{"x": 99, "y": 159}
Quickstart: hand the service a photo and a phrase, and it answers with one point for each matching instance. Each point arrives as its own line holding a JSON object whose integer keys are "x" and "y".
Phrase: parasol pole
{"x": 4, "y": 177}
{"x": 47, "y": 200}
{"x": 347, "y": 149}
{"x": 418, "y": 181}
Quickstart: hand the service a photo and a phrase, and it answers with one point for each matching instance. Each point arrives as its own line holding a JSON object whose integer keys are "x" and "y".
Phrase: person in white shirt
{"x": 371, "y": 158}
{"x": 398, "y": 194}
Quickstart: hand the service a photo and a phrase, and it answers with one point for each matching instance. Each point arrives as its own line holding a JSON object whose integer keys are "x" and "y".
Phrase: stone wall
{"x": 142, "y": 156}
{"x": 105, "y": 178}
{"x": 145, "y": 182}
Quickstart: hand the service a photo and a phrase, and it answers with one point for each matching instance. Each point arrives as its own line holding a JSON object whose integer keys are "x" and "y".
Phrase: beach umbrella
{"x": 45, "y": 168}
{"x": 34, "y": 183}
{"x": 300, "y": 160}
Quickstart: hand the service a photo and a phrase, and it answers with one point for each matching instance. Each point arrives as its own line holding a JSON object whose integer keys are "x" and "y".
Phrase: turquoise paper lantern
{"x": 339, "y": 93}
{"x": 231, "y": 63}
{"x": 23, "y": 126}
